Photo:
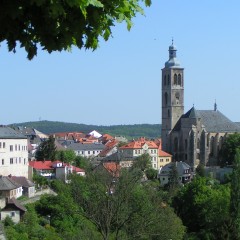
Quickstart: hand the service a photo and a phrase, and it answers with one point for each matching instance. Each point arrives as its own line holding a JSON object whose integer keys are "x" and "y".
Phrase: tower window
{"x": 175, "y": 79}
{"x": 166, "y": 98}
{"x": 165, "y": 80}
{"x": 168, "y": 79}
{"x": 168, "y": 113}
{"x": 179, "y": 79}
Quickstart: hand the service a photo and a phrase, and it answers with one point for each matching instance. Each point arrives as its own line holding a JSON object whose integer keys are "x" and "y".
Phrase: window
{"x": 2, "y": 161}
{"x": 166, "y": 98}
{"x": 93, "y": 152}
{"x": 165, "y": 80}
{"x": 0, "y": 145}
{"x": 19, "y": 148}
{"x": 135, "y": 151}
{"x": 4, "y": 144}
{"x": 12, "y": 214}
{"x": 11, "y": 148}
{"x": 20, "y": 160}
{"x": 15, "y": 147}
{"x": 168, "y": 81}
{"x": 11, "y": 160}
{"x": 24, "y": 160}
{"x": 16, "y": 160}
{"x": 88, "y": 152}
{"x": 175, "y": 79}
{"x": 155, "y": 165}
{"x": 179, "y": 79}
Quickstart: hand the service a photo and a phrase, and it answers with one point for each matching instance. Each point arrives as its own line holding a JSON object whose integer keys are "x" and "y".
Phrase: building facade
{"x": 13, "y": 153}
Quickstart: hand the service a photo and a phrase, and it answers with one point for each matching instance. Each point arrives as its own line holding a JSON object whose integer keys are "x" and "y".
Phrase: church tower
{"x": 172, "y": 96}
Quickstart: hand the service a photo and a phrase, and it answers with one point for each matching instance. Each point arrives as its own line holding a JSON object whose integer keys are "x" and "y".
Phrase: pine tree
{"x": 46, "y": 150}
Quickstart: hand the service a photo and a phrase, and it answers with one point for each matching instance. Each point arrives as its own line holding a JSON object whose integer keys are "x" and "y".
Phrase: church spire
{"x": 172, "y": 62}
{"x": 215, "y": 106}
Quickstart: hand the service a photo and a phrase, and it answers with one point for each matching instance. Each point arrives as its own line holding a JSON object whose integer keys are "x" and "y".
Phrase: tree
{"x": 46, "y": 150}
{"x": 67, "y": 156}
{"x": 235, "y": 197}
{"x": 59, "y": 25}
{"x": 200, "y": 170}
{"x": 229, "y": 147}
{"x": 142, "y": 162}
{"x": 208, "y": 204}
{"x": 124, "y": 208}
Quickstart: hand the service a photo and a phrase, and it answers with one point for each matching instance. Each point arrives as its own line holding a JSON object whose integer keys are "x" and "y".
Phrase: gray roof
{"x": 23, "y": 181}
{"x": 9, "y": 133}
{"x": 181, "y": 166}
{"x": 213, "y": 121}
{"x": 86, "y": 146}
{"x": 7, "y": 183}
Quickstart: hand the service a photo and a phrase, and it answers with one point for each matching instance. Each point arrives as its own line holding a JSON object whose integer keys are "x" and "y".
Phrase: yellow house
{"x": 163, "y": 158}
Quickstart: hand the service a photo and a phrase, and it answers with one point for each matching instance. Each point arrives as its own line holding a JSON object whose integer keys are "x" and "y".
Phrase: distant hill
{"x": 129, "y": 131}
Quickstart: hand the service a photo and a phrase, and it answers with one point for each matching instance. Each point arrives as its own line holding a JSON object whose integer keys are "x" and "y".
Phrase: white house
{"x": 86, "y": 149}
{"x": 13, "y": 153}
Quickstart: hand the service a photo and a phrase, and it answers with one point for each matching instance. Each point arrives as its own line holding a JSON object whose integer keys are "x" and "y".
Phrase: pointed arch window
{"x": 168, "y": 81}
{"x": 168, "y": 113}
{"x": 165, "y": 80}
{"x": 166, "y": 98}
{"x": 179, "y": 79}
{"x": 175, "y": 79}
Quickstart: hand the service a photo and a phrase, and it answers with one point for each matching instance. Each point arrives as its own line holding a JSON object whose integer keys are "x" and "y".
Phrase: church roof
{"x": 213, "y": 121}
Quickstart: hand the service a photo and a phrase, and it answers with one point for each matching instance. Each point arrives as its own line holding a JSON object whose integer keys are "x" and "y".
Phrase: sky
{"x": 120, "y": 82}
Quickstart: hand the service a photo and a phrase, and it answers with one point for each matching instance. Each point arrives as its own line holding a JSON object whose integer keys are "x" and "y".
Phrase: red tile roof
{"x": 161, "y": 153}
{"x": 138, "y": 144}
{"x": 112, "y": 167}
{"x": 45, "y": 165}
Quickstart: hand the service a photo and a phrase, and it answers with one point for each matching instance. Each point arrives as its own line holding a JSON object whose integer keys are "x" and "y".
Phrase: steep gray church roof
{"x": 214, "y": 121}
{"x": 9, "y": 133}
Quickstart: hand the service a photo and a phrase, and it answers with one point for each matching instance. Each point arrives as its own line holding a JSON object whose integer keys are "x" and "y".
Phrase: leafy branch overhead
{"x": 58, "y": 25}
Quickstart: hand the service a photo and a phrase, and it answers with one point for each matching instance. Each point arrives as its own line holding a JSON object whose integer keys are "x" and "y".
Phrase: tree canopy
{"x": 59, "y": 25}
{"x": 228, "y": 151}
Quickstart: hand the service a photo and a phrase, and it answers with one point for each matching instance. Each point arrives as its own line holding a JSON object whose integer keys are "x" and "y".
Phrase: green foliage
{"x": 142, "y": 162}
{"x": 203, "y": 207}
{"x": 83, "y": 162}
{"x": 229, "y": 147}
{"x": 151, "y": 173}
{"x": 129, "y": 211}
{"x": 59, "y": 25}
{"x": 235, "y": 196}
{"x": 129, "y": 131}
{"x": 8, "y": 222}
{"x": 39, "y": 180}
{"x": 47, "y": 150}
{"x": 200, "y": 170}
{"x": 67, "y": 156}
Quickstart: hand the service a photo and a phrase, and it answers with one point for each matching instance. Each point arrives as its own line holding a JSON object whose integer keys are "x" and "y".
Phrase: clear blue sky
{"x": 120, "y": 83}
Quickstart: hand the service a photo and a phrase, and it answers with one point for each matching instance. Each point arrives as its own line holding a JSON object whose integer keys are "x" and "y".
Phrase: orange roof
{"x": 112, "y": 167}
{"x": 138, "y": 144}
{"x": 161, "y": 153}
{"x": 112, "y": 143}
{"x": 46, "y": 165}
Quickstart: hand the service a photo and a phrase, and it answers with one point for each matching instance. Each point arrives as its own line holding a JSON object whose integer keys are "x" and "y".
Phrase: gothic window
{"x": 198, "y": 143}
{"x": 165, "y": 80}
{"x": 175, "y": 144}
{"x": 175, "y": 79}
{"x": 179, "y": 79}
{"x": 166, "y": 98}
{"x": 211, "y": 146}
{"x": 168, "y": 113}
{"x": 168, "y": 81}
{"x": 220, "y": 142}
{"x": 186, "y": 144}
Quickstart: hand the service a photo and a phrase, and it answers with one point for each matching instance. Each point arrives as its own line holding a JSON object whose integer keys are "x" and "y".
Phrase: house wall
{"x": 14, "y": 157}
{"x": 87, "y": 153}
{"x": 162, "y": 161}
{"x": 14, "y": 215}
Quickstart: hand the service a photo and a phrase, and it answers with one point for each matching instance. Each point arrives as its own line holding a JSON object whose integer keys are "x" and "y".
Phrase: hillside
{"x": 129, "y": 131}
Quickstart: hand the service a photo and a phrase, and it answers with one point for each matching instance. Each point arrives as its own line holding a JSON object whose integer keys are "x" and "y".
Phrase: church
{"x": 196, "y": 136}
